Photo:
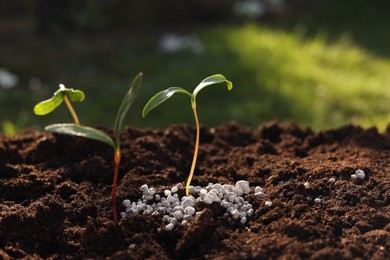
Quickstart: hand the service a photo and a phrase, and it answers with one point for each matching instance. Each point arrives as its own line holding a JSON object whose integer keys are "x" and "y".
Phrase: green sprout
{"x": 166, "y": 94}
{"x": 75, "y": 129}
{"x": 62, "y": 94}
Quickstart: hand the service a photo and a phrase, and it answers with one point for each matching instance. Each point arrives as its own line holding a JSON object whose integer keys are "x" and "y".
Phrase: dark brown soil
{"x": 55, "y": 194}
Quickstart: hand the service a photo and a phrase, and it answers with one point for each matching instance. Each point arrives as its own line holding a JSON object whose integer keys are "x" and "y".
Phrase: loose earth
{"x": 55, "y": 194}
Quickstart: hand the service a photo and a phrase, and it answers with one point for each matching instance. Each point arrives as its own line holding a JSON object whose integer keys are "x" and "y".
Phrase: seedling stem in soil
{"x": 162, "y": 96}
{"x": 67, "y": 95}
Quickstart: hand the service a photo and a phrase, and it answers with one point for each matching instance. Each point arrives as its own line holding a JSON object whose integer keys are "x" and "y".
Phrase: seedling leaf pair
{"x": 47, "y": 106}
{"x": 164, "y": 95}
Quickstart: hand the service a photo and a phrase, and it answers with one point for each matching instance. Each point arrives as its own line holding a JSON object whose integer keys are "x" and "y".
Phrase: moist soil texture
{"x": 55, "y": 194}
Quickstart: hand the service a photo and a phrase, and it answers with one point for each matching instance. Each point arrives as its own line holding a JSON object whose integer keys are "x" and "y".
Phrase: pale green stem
{"x": 70, "y": 107}
{"x": 195, "y": 151}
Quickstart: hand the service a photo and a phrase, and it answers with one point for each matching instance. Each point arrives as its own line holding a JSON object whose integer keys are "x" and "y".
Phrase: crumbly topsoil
{"x": 55, "y": 194}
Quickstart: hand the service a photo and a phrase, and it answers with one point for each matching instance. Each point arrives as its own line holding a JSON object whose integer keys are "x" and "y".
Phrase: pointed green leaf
{"x": 128, "y": 100}
{"x": 82, "y": 131}
{"x": 162, "y": 96}
{"x": 214, "y": 79}
{"x": 47, "y": 106}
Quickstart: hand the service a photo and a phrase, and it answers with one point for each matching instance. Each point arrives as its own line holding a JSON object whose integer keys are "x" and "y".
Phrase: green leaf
{"x": 128, "y": 100}
{"x": 214, "y": 79}
{"x": 47, "y": 106}
{"x": 74, "y": 95}
{"x": 162, "y": 96}
{"x": 82, "y": 131}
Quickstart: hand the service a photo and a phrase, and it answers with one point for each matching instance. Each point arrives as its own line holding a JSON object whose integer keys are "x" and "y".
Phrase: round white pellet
{"x": 157, "y": 197}
{"x": 238, "y": 190}
{"x": 174, "y": 189}
{"x": 259, "y": 189}
{"x": 317, "y": 200}
{"x": 167, "y": 193}
{"x": 260, "y": 194}
{"x": 171, "y": 199}
{"x": 243, "y": 220}
{"x": 225, "y": 204}
{"x": 190, "y": 201}
{"x": 332, "y": 180}
{"x": 268, "y": 203}
{"x": 178, "y": 215}
{"x": 166, "y": 204}
{"x": 151, "y": 191}
{"x": 144, "y": 188}
{"x": 192, "y": 190}
{"x": 217, "y": 186}
{"x": 178, "y": 208}
{"x": 235, "y": 213}
{"x": 169, "y": 227}
{"x": 147, "y": 212}
{"x": 360, "y": 174}
{"x": 173, "y": 221}
{"x": 165, "y": 219}
{"x": 174, "y": 204}
{"x": 207, "y": 200}
{"x": 189, "y": 210}
{"x": 123, "y": 214}
{"x": 244, "y": 186}
{"x": 126, "y": 203}
{"x": 307, "y": 185}
{"x": 188, "y": 217}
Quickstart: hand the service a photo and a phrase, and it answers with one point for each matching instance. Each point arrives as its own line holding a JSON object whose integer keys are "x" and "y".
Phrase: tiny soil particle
{"x": 55, "y": 194}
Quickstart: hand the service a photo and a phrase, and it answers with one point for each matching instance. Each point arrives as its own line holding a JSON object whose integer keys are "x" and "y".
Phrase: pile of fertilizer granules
{"x": 176, "y": 210}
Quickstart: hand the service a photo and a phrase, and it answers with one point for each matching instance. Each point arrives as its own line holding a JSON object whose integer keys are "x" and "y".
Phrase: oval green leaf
{"x": 128, "y": 100}
{"x": 162, "y": 96}
{"x": 82, "y": 131}
{"x": 47, "y": 106}
{"x": 214, "y": 79}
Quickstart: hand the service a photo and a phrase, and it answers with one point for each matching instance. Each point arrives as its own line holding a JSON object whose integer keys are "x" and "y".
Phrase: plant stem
{"x": 117, "y": 159}
{"x": 70, "y": 107}
{"x": 195, "y": 151}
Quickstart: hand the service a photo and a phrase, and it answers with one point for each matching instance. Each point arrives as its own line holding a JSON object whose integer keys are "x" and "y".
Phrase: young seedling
{"x": 62, "y": 94}
{"x": 76, "y": 129}
{"x": 166, "y": 94}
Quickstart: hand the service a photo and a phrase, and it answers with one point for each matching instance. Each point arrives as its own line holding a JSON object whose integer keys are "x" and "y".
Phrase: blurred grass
{"x": 281, "y": 74}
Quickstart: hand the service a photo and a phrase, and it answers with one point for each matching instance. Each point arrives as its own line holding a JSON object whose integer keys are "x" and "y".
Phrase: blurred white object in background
{"x": 172, "y": 43}
{"x": 249, "y": 8}
{"x": 7, "y": 79}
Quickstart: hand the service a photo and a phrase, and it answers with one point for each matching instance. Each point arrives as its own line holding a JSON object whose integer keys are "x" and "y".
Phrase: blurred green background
{"x": 321, "y": 64}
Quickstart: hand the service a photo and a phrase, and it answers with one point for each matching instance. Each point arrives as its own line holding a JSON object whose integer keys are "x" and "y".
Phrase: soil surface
{"x": 55, "y": 194}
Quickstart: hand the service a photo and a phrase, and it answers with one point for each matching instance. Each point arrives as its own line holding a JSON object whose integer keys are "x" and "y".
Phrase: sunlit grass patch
{"x": 307, "y": 80}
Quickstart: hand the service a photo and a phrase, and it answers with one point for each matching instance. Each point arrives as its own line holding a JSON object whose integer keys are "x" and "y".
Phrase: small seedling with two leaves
{"x": 67, "y": 95}
{"x": 166, "y": 94}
